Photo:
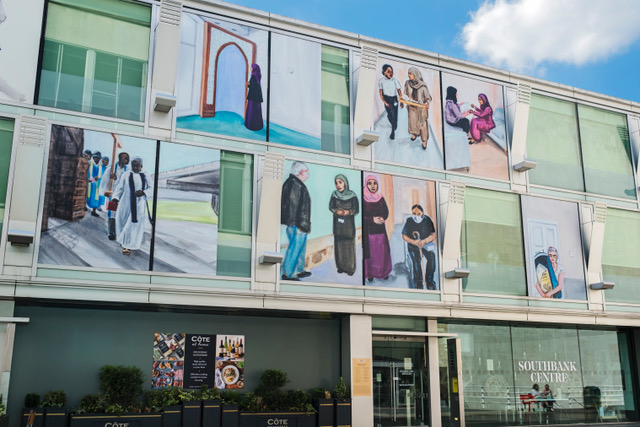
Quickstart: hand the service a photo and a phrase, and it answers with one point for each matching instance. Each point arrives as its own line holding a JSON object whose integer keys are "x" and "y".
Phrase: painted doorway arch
{"x": 226, "y": 60}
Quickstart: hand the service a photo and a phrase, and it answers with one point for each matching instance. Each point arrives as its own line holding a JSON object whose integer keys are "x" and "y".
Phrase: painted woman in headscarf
{"x": 345, "y": 206}
{"x": 375, "y": 243}
{"x": 416, "y": 90}
{"x": 452, "y": 113}
{"x": 253, "y": 113}
{"x": 483, "y": 122}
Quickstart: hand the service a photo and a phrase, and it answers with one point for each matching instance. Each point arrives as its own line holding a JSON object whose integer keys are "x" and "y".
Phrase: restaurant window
{"x": 606, "y": 153}
{"x": 6, "y": 136}
{"x": 95, "y": 57}
{"x": 621, "y": 255}
{"x": 552, "y": 140}
{"x": 491, "y": 243}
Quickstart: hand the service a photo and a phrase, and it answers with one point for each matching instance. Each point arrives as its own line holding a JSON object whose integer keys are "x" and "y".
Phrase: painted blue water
{"x": 232, "y": 124}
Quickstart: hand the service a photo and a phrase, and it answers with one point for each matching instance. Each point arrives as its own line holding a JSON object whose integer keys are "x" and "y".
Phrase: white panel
{"x": 361, "y": 347}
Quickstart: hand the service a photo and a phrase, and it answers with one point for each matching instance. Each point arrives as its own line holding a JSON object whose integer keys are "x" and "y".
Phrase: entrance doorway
{"x": 400, "y": 381}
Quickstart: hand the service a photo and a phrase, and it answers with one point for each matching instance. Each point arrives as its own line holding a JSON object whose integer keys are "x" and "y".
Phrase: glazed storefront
{"x": 591, "y": 372}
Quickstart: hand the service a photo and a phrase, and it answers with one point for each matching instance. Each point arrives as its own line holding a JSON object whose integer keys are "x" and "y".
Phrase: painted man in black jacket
{"x": 296, "y": 215}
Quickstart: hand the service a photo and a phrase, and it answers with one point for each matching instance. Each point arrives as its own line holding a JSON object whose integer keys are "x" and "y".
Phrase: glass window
{"x": 491, "y": 243}
{"x": 606, "y": 153}
{"x": 335, "y": 99}
{"x": 234, "y": 220}
{"x": 95, "y": 57}
{"x": 6, "y": 136}
{"x": 621, "y": 255}
{"x": 552, "y": 141}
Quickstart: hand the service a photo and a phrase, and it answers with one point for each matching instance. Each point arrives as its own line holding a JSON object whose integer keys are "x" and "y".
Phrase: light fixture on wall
{"x": 20, "y": 237}
{"x": 367, "y": 138}
{"x": 457, "y": 273}
{"x": 271, "y": 258}
{"x": 524, "y": 165}
{"x": 163, "y": 102}
{"x": 602, "y": 285}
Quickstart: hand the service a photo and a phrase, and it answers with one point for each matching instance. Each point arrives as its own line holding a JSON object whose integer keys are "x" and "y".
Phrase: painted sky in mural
{"x": 321, "y": 231}
{"x": 553, "y": 245}
{"x": 474, "y": 127}
{"x": 223, "y": 90}
{"x": 407, "y": 114}
{"x": 400, "y": 245}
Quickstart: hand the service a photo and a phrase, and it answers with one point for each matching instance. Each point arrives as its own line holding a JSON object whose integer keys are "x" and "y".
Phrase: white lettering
{"x": 200, "y": 339}
{"x": 520, "y": 365}
{"x": 116, "y": 425}
{"x": 277, "y": 422}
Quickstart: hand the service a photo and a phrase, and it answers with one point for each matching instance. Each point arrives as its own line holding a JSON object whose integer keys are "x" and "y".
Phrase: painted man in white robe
{"x": 131, "y": 216}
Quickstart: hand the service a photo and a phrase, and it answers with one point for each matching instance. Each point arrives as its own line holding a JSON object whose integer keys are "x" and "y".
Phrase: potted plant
{"x": 324, "y": 405}
{"x": 211, "y": 406}
{"x": 231, "y": 401}
{"x": 56, "y": 414}
{"x": 270, "y": 405}
{"x": 32, "y": 409}
{"x": 343, "y": 403}
{"x": 4, "y": 418}
{"x": 167, "y": 401}
{"x": 191, "y": 408}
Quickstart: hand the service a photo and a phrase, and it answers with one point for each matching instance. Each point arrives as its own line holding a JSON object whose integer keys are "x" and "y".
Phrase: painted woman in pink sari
{"x": 377, "y": 254}
{"x": 483, "y": 122}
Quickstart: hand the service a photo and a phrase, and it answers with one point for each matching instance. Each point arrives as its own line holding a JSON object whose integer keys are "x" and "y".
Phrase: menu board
{"x": 191, "y": 360}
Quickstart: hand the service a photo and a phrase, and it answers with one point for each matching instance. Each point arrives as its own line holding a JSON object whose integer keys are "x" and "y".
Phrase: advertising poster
{"x": 555, "y": 266}
{"x": 474, "y": 127}
{"x": 80, "y": 226}
{"x": 321, "y": 224}
{"x": 20, "y": 25}
{"x": 399, "y": 232}
{"x": 222, "y": 78}
{"x": 407, "y": 114}
{"x": 229, "y": 372}
{"x": 168, "y": 360}
{"x": 187, "y": 209}
{"x": 200, "y": 360}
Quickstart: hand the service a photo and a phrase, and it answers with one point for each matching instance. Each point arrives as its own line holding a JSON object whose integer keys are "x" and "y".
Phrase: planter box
{"x": 326, "y": 412}
{"x": 172, "y": 416}
{"x": 126, "y": 420}
{"x": 4, "y": 421}
{"x": 38, "y": 421}
{"x": 284, "y": 419}
{"x": 211, "y": 413}
{"x": 343, "y": 412}
{"x": 230, "y": 416}
{"x": 192, "y": 413}
{"x": 56, "y": 417}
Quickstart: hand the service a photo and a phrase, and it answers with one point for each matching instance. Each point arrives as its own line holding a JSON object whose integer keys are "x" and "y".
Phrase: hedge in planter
{"x": 56, "y": 413}
{"x": 32, "y": 403}
{"x": 343, "y": 403}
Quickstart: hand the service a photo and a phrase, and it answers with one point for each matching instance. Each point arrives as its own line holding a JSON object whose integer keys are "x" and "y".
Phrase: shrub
{"x": 341, "y": 391}
{"x": 272, "y": 379}
{"x": 207, "y": 393}
{"x": 298, "y": 400}
{"x": 155, "y": 400}
{"x": 121, "y": 385}
{"x": 320, "y": 393}
{"x": 92, "y": 404}
{"x": 54, "y": 399}
{"x": 32, "y": 400}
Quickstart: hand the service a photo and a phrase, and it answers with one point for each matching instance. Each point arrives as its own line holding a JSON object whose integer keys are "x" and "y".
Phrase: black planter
{"x": 172, "y": 416}
{"x": 325, "y": 408}
{"x": 4, "y": 421}
{"x": 343, "y": 412}
{"x": 230, "y": 416}
{"x": 102, "y": 420}
{"x": 192, "y": 413}
{"x": 56, "y": 417}
{"x": 275, "y": 418}
{"x": 211, "y": 413}
{"x": 38, "y": 420}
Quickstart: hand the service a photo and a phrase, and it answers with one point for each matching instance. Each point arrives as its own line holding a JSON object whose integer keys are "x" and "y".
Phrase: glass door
{"x": 400, "y": 381}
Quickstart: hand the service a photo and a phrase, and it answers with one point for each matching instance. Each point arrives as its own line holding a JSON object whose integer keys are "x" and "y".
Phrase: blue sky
{"x": 588, "y": 44}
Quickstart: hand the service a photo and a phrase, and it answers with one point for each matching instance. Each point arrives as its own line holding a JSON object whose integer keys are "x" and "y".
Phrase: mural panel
{"x": 474, "y": 127}
{"x": 221, "y": 86}
{"x": 400, "y": 245}
{"x": 321, "y": 224}
{"x": 555, "y": 266}
{"x": 407, "y": 113}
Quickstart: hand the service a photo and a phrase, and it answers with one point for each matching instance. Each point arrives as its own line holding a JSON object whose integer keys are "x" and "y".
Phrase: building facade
{"x": 441, "y": 234}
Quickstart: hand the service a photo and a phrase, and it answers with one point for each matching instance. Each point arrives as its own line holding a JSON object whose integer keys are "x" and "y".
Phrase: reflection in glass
{"x": 621, "y": 255}
{"x": 335, "y": 100}
{"x": 6, "y": 136}
{"x": 491, "y": 243}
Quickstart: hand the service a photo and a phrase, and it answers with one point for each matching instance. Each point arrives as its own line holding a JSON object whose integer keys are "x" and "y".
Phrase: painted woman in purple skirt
{"x": 377, "y": 254}
{"x": 253, "y": 114}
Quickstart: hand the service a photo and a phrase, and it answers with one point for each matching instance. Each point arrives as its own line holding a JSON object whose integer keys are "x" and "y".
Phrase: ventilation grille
{"x": 33, "y": 130}
{"x": 524, "y": 93}
{"x": 600, "y": 212}
{"x": 369, "y": 57}
{"x": 171, "y": 12}
{"x": 273, "y": 166}
{"x": 456, "y": 192}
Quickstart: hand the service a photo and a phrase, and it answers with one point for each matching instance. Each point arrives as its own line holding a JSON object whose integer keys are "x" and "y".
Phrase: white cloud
{"x": 521, "y": 35}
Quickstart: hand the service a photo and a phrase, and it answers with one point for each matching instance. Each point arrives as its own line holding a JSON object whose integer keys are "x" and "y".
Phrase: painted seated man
{"x": 418, "y": 232}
